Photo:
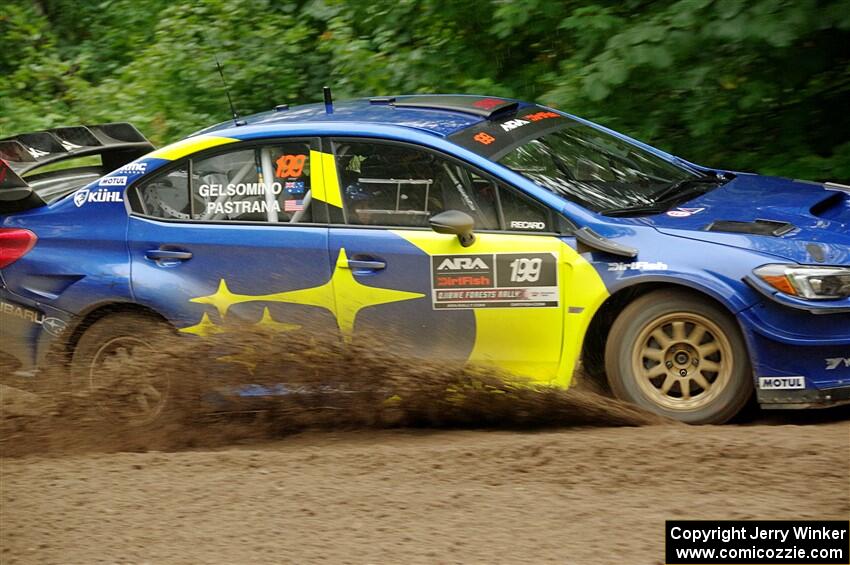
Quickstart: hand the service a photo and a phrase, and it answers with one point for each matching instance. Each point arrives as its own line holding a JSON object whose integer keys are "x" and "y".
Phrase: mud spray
{"x": 320, "y": 383}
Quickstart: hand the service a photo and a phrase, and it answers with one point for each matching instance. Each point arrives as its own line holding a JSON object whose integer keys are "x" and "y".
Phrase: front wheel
{"x": 681, "y": 356}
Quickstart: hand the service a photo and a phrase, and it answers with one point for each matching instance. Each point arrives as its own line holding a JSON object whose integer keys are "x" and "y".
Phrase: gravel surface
{"x": 576, "y": 495}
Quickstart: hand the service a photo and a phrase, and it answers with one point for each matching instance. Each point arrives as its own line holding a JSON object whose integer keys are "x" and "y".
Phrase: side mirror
{"x": 454, "y": 222}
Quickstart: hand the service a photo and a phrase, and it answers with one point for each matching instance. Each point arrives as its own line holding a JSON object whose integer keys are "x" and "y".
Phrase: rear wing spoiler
{"x": 116, "y": 143}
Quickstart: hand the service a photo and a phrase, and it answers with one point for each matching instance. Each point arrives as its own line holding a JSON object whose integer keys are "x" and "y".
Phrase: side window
{"x": 165, "y": 196}
{"x": 393, "y": 185}
{"x": 518, "y": 212}
{"x": 266, "y": 183}
{"x": 521, "y": 213}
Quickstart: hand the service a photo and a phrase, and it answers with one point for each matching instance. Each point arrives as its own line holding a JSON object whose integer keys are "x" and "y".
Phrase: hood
{"x": 801, "y": 221}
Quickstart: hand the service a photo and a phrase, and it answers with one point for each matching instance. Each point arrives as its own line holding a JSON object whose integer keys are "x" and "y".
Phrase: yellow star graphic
{"x": 203, "y": 328}
{"x": 244, "y": 357}
{"x": 270, "y": 323}
{"x": 354, "y": 296}
{"x": 222, "y": 299}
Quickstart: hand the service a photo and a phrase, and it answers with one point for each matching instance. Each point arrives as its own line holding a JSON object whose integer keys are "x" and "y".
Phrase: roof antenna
{"x": 329, "y": 102}
{"x": 236, "y": 120}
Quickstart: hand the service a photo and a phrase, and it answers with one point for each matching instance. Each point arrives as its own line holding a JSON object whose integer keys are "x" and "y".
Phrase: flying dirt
{"x": 370, "y": 460}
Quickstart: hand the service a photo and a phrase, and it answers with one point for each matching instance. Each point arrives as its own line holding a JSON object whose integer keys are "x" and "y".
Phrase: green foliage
{"x": 758, "y": 85}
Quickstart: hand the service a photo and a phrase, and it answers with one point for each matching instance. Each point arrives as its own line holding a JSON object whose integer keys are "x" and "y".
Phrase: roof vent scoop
{"x": 757, "y": 227}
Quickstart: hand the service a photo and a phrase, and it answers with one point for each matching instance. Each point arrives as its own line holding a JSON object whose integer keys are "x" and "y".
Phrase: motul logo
{"x": 463, "y": 264}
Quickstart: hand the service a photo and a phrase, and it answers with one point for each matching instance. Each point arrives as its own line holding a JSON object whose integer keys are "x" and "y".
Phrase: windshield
{"x": 595, "y": 169}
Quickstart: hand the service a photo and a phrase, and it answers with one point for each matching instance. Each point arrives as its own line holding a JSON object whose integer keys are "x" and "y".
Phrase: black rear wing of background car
{"x": 116, "y": 143}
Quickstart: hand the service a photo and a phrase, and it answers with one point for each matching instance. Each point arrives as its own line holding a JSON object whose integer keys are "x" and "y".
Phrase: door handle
{"x": 168, "y": 255}
{"x": 366, "y": 265}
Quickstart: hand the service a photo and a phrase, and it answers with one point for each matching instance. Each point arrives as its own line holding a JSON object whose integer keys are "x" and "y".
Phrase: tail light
{"x": 14, "y": 244}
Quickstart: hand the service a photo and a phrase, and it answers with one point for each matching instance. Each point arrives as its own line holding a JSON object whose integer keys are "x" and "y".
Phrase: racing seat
{"x": 393, "y": 189}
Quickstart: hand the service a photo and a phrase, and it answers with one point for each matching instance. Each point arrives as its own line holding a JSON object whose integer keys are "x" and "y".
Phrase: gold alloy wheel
{"x": 682, "y": 361}
{"x": 129, "y": 390}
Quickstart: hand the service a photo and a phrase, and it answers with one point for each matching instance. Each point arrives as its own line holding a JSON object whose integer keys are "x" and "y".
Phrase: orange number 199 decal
{"x": 290, "y": 166}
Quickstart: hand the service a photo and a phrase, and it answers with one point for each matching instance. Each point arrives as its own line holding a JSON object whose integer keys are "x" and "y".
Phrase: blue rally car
{"x": 477, "y": 229}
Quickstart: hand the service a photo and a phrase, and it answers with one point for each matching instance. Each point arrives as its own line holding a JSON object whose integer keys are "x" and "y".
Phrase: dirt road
{"x": 580, "y": 495}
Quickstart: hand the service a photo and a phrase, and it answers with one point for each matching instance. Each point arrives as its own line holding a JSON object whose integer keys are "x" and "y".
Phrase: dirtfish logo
{"x": 99, "y": 195}
{"x": 638, "y": 266}
{"x": 463, "y": 264}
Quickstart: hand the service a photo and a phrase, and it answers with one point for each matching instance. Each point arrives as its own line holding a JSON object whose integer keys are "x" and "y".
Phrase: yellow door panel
{"x": 537, "y": 340}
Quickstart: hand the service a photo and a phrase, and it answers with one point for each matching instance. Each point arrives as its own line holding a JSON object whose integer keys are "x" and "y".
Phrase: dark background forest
{"x": 761, "y": 85}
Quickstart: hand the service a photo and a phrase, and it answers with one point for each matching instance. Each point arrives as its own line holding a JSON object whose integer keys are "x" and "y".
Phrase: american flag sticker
{"x": 293, "y": 205}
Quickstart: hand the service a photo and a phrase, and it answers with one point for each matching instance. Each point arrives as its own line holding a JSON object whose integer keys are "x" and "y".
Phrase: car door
{"x": 233, "y": 234}
{"x": 497, "y": 302}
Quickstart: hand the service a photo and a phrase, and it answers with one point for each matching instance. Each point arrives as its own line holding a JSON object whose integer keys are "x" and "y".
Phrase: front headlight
{"x": 812, "y": 283}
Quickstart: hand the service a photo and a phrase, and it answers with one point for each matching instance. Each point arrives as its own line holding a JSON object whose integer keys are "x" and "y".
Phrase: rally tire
{"x": 680, "y": 355}
{"x": 115, "y": 365}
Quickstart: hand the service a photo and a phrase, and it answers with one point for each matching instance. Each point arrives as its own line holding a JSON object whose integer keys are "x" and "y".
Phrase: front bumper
{"x": 800, "y": 359}
{"x": 803, "y": 398}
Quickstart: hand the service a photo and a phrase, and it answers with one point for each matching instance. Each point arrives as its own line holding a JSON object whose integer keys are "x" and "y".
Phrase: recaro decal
{"x": 524, "y": 225}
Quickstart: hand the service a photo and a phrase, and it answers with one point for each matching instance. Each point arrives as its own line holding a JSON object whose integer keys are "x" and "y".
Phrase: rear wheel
{"x": 679, "y": 355}
{"x": 116, "y": 361}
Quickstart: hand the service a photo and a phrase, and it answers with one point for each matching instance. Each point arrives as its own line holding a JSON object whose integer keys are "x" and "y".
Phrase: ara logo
{"x": 836, "y": 362}
{"x": 463, "y": 264}
{"x": 513, "y": 124}
{"x": 99, "y": 195}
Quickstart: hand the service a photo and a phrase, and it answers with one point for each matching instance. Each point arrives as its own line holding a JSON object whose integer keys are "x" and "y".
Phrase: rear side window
{"x": 165, "y": 196}
{"x": 268, "y": 183}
